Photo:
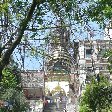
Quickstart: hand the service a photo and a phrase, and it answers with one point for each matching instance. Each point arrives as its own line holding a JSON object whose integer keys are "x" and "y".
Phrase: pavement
{"x": 70, "y": 107}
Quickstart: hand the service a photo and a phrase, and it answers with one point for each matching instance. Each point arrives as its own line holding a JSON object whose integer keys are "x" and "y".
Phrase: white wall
{"x": 108, "y": 35}
{"x": 81, "y": 51}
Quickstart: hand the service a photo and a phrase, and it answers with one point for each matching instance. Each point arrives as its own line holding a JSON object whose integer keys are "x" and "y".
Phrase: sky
{"x": 32, "y": 63}
{"x": 80, "y": 33}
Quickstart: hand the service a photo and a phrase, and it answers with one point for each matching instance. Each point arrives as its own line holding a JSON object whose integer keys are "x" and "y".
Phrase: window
{"x": 88, "y": 53}
{"x": 89, "y": 69}
{"x": 101, "y": 52}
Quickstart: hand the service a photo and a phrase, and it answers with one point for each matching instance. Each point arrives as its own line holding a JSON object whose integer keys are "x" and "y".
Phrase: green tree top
{"x": 97, "y": 96}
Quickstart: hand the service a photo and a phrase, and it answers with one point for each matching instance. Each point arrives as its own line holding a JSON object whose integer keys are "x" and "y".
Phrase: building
{"x": 60, "y": 65}
{"x": 108, "y": 31}
{"x": 89, "y": 55}
{"x": 33, "y": 84}
{"x": 91, "y": 60}
{"x": 60, "y": 61}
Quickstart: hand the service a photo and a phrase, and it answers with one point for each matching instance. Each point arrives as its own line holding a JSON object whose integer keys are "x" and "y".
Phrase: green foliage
{"x": 4, "y": 6}
{"x": 8, "y": 80}
{"x": 97, "y": 96}
{"x": 108, "y": 54}
{"x": 12, "y": 92}
{"x": 85, "y": 108}
{"x": 20, "y": 23}
{"x": 16, "y": 99}
{"x": 100, "y": 10}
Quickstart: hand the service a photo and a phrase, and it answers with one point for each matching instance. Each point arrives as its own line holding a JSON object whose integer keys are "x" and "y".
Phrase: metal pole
{"x": 44, "y": 81}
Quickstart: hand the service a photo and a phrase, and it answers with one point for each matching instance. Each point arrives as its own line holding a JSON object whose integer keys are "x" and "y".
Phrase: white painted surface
{"x": 81, "y": 51}
{"x": 108, "y": 35}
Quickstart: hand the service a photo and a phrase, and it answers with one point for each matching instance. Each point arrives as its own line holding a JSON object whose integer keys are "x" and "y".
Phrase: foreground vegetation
{"x": 97, "y": 96}
{"x": 22, "y": 20}
{"x": 11, "y": 93}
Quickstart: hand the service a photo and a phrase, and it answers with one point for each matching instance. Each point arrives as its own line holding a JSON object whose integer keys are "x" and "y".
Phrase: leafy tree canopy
{"x": 21, "y": 21}
{"x": 97, "y": 96}
{"x": 11, "y": 91}
{"x": 100, "y": 10}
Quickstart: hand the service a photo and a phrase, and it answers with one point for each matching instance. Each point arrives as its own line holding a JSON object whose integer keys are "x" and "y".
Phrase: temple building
{"x": 59, "y": 63}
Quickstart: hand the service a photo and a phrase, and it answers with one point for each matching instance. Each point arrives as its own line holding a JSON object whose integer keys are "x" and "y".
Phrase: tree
{"x": 14, "y": 37}
{"x": 11, "y": 91}
{"x": 19, "y": 18}
{"x": 100, "y": 10}
{"x": 97, "y": 96}
{"x": 22, "y": 20}
{"x": 108, "y": 54}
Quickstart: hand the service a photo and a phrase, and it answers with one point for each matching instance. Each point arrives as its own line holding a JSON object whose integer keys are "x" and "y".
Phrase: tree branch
{"x": 23, "y": 25}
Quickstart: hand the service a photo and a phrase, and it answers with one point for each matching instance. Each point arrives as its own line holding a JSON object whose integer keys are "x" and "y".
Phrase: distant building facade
{"x": 32, "y": 82}
{"x": 90, "y": 59}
